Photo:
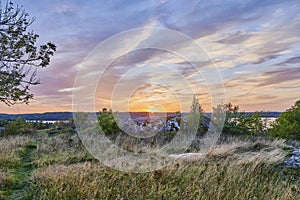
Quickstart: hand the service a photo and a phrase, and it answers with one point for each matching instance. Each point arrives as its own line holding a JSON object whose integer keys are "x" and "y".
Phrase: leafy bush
{"x": 18, "y": 126}
{"x": 3, "y": 122}
{"x": 243, "y": 123}
{"x": 287, "y": 125}
{"x": 108, "y": 122}
{"x": 240, "y": 122}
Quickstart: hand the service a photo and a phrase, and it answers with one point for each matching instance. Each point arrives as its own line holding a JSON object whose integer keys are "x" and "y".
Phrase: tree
{"x": 217, "y": 119}
{"x": 20, "y": 57}
{"x": 287, "y": 125}
{"x": 242, "y": 123}
{"x": 108, "y": 122}
{"x": 196, "y": 107}
{"x": 196, "y": 116}
{"x": 231, "y": 108}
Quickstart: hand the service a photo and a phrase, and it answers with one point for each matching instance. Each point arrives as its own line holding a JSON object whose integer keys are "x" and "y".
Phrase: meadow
{"x": 39, "y": 166}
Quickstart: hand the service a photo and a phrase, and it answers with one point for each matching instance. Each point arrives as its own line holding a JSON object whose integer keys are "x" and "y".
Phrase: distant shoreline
{"x": 57, "y": 116}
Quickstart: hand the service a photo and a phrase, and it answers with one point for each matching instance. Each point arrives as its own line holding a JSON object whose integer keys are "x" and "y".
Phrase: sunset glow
{"x": 254, "y": 44}
{"x": 153, "y": 99}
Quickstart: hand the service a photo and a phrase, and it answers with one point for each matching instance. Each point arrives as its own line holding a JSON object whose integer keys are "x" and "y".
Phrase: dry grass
{"x": 235, "y": 169}
{"x": 232, "y": 170}
{"x": 3, "y": 177}
{"x": 60, "y": 149}
{"x": 200, "y": 180}
{"x": 241, "y": 151}
{"x": 13, "y": 144}
{"x": 249, "y": 151}
{"x": 9, "y": 148}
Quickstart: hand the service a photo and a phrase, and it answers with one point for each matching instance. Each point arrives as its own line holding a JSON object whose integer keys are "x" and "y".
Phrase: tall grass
{"x": 60, "y": 149}
{"x": 9, "y": 149}
{"x": 10, "y": 161}
{"x": 237, "y": 168}
{"x": 233, "y": 170}
{"x": 201, "y": 180}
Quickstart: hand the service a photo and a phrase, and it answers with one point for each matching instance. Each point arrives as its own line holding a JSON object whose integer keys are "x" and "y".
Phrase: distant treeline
{"x": 262, "y": 114}
{"x": 57, "y": 116}
{"x": 51, "y": 116}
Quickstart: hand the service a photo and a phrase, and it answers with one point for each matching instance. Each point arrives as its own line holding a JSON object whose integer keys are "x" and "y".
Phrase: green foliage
{"x": 64, "y": 124}
{"x": 108, "y": 123}
{"x": 242, "y": 123}
{"x": 20, "y": 57}
{"x": 41, "y": 125}
{"x": 3, "y": 122}
{"x": 287, "y": 125}
{"x": 19, "y": 126}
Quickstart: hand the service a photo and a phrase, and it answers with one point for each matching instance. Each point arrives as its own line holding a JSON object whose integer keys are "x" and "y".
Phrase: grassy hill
{"x": 58, "y": 167}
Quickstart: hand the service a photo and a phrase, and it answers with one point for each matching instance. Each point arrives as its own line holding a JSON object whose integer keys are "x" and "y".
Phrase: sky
{"x": 252, "y": 46}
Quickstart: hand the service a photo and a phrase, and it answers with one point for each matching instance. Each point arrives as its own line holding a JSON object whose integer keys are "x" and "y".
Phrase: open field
{"x": 58, "y": 167}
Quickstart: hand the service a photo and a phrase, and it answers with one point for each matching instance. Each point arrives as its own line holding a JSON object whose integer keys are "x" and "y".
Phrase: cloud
{"x": 234, "y": 38}
{"x": 250, "y": 41}
{"x": 266, "y": 96}
{"x": 201, "y": 18}
{"x": 279, "y": 76}
{"x": 293, "y": 60}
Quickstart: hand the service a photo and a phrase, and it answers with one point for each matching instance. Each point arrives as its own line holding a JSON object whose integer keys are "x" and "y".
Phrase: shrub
{"x": 243, "y": 123}
{"x": 240, "y": 122}
{"x": 3, "y": 122}
{"x": 287, "y": 125}
{"x": 19, "y": 126}
{"x": 108, "y": 123}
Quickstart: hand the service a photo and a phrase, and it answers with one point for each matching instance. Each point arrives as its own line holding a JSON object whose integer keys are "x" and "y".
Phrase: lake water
{"x": 48, "y": 121}
{"x": 269, "y": 121}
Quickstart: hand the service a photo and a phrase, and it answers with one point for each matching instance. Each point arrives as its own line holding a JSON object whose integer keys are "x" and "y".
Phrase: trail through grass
{"x": 21, "y": 174}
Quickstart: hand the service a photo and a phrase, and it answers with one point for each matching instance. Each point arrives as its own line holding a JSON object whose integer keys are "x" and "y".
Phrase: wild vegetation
{"x": 288, "y": 124}
{"x": 247, "y": 163}
{"x": 58, "y": 167}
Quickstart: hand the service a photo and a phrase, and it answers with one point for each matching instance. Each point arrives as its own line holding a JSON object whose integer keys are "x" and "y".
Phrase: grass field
{"x": 58, "y": 167}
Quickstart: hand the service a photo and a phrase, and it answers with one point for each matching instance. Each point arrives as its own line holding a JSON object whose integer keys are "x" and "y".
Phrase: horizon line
{"x": 121, "y": 112}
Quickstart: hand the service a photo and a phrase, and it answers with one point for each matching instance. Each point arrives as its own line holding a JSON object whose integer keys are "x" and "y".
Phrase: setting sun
{"x": 156, "y": 108}
{"x": 153, "y": 98}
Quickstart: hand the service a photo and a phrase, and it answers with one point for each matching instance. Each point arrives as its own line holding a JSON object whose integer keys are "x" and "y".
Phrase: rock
{"x": 294, "y": 159}
{"x": 187, "y": 156}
